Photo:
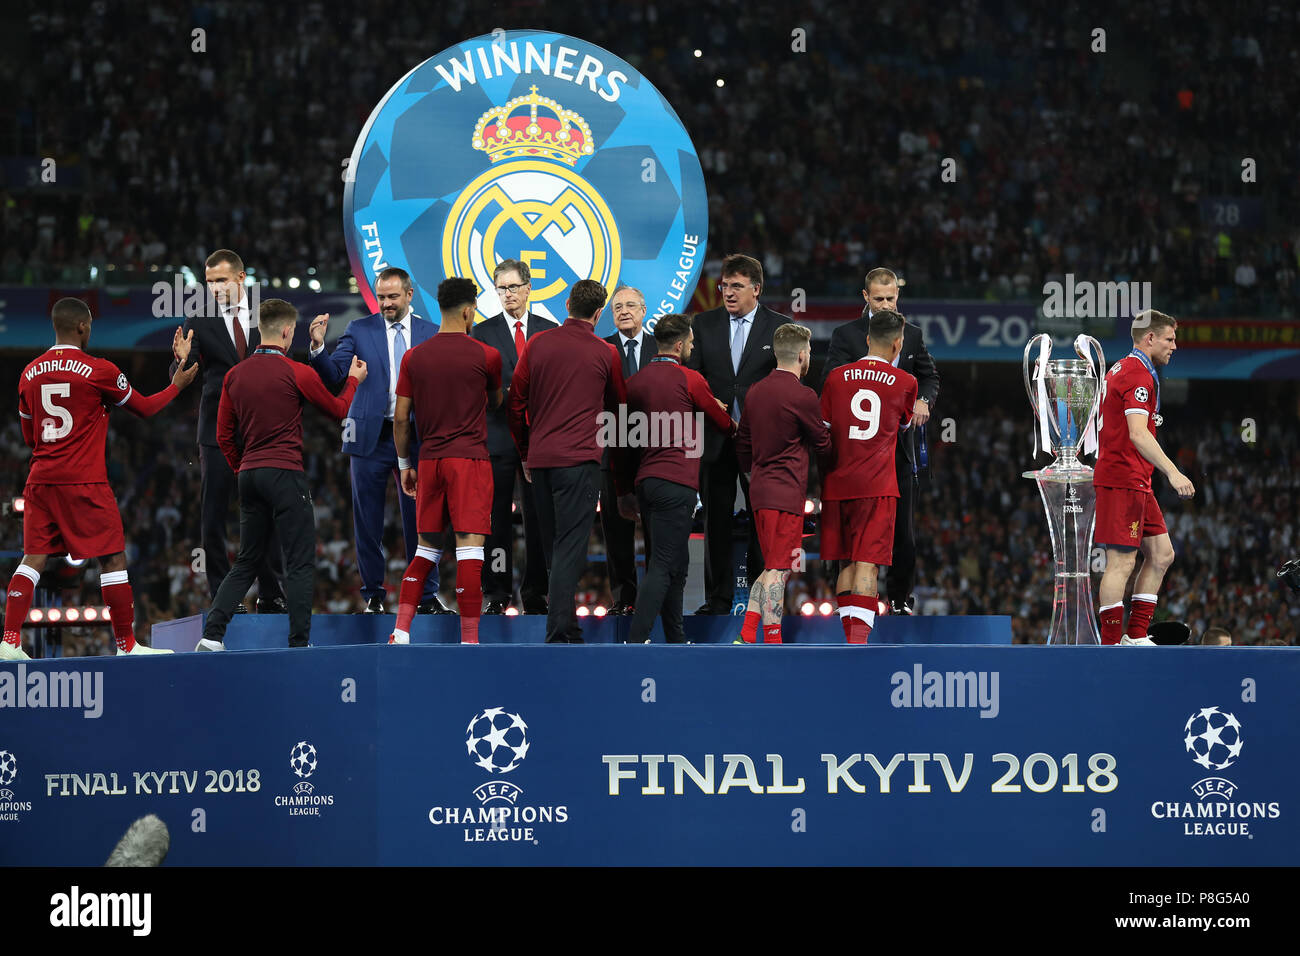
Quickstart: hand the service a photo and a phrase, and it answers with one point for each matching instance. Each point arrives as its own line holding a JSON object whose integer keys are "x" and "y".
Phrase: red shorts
{"x": 780, "y": 535}
{"x": 79, "y": 520}
{"x": 859, "y": 529}
{"x": 455, "y": 493}
{"x": 1125, "y": 516}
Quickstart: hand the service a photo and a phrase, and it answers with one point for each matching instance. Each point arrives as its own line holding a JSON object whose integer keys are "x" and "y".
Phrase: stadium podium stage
{"x": 513, "y": 753}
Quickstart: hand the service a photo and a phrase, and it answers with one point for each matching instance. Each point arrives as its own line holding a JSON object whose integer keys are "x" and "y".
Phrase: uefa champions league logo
{"x": 8, "y": 768}
{"x": 531, "y": 146}
{"x": 497, "y": 741}
{"x": 302, "y": 759}
{"x": 1213, "y": 738}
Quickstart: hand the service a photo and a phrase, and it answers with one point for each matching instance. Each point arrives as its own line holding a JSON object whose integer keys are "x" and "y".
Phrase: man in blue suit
{"x": 379, "y": 340}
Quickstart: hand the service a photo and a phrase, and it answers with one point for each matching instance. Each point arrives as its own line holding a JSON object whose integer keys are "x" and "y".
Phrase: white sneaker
{"x": 209, "y": 645}
{"x": 10, "y": 653}
{"x": 141, "y": 651}
{"x": 1140, "y": 642}
{"x": 394, "y": 639}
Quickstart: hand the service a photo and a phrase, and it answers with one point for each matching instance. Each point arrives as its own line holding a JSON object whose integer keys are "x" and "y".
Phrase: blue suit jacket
{"x": 367, "y": 339}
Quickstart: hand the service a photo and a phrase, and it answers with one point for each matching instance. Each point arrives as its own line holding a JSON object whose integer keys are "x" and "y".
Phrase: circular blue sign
{"x": 531, "y": 146}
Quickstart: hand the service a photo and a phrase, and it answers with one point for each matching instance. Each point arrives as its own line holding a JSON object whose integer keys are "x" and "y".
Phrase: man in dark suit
{"x": 509, "y": 333}
{"x": 380, "y": 340}
{"x": 849, "y": 344}
{"x": 222, "y": 340}
{"x": 632, "y": 341}
{"x": 733, "y": 350}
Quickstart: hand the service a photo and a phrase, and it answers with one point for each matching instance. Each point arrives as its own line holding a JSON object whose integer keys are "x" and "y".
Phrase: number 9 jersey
{"x": 63, "y": 398}
{"x": 865, "y": 403}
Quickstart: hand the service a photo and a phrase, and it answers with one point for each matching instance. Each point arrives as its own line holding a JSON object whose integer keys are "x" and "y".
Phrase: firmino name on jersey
{"x": 869, "y": 375}
{"x": 74, "y": 366}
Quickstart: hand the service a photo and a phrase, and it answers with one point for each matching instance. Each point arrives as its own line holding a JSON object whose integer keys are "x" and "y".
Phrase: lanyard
{"x": 1142, "y": 357}
{"x": 267, "y": 351}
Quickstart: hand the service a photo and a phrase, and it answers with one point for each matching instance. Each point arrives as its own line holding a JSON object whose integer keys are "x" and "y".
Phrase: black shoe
{"x": 622, "y": 610}
{"x": 535, "y": 606}
{"x": 374, "y": 606}
{"x": 239, "y": 609}
{"x": 903, "y": 607}
{"x": 273, "y": 606}
{"x": 433, "y": 606}
{"x": 495, "y": 607}
{"x": 710, "y": 608}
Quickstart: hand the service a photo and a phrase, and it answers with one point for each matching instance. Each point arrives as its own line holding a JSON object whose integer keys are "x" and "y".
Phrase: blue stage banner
{"x": 536, "y": 755}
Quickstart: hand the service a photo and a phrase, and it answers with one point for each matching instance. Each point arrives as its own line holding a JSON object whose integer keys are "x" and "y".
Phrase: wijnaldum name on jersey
{"x": 60, "y": 365}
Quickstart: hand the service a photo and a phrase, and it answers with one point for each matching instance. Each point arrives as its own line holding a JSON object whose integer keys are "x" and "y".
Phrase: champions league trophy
{"x": 1065, "y": 397}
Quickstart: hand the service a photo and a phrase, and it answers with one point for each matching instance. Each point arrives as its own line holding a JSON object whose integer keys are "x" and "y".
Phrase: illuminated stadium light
{"x": 74, "y": 614}
{"x": 19, "y": 505}
{"x": 512, "y": 612}
{"x": 721, "y": 82}
{"x": 600, "y": 610}
{"x": 92, "y": 613}
{"x": 699, "y": 53}
{"x": 311, "y": 270}
{"x": 808, "y": 506}
{"x": 54, "y": 615}
{"x": 807, "y": 609}
{"x": 275, "y": 283}
{"x": 584, "y": 611}
{"x": 35, "y": 615}
{"x": 293, "y": 282}
{"x": 826, "y": 608}
{"x": 514, "y": 507}
{"x": 313, "y": 284}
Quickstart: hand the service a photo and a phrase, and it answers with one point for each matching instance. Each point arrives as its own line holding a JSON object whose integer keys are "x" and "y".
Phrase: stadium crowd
{"x": 821, "y": 152}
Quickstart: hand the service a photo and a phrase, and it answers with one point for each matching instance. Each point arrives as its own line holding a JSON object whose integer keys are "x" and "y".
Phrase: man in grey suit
{"x": 509, "y": 333}
{"x": 848, "y": 344}
{"x": 733, "y": 350}
{"x": 632, "y": 340}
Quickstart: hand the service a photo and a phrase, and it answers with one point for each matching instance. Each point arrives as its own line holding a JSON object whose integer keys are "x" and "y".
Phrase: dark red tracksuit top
{"x": 261, "y": 399}
{"x": 665, "y": 385}
{"x": 782, "y": 422}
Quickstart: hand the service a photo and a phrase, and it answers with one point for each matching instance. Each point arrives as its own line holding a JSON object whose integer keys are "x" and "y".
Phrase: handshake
{"x": 317, "y": 333}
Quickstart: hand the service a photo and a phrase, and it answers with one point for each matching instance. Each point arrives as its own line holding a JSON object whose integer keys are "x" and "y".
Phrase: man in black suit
{"x": 509, "y": 333}
{"x": 631, "y": 340}
{"x": 733, "y": 350}
{"x": 849, "y": 344}
{"x": 221, "y": 341}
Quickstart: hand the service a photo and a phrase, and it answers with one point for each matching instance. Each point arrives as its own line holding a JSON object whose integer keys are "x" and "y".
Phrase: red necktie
{"x": 241, "y": 343}
{"x": 519, "y": 338}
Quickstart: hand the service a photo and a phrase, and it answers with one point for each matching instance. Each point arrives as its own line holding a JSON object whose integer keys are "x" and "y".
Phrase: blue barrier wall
{"x": 659, "y": 755}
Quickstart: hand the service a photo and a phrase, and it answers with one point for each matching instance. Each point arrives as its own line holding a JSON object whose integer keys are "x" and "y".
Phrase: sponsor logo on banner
{"x": 531, "y": 146}
{"x": 304, "y": 801}
{"x": 1214, "y": 740}
{"x": 497, "y": 742}
{"x": 10, "y": 805}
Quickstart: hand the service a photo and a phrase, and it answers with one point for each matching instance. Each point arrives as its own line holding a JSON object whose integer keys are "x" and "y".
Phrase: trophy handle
{"x": 1037, "y": 350}
{"x": 1083, "y": 346}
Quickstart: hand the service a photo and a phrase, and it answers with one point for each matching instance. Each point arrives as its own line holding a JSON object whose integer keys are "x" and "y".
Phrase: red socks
{"x": 413, "y": 587}
{"x": 858, "y": 615}
{"x": 1112, "y": 622}
{"x": 749, "y": 630}
{"x": 469, "y": 592}
{"x": 116, "y": 589}
{"x": 772, "y": 633}
{"x": 21, "y": 586}
{"x": 1139, "y": 615}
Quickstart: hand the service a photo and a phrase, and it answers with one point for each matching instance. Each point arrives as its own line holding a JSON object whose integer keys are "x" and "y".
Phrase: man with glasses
{"x": 631, "y": 339}
{"x": 509, "y": 334}
{"x": 733, "y": 350}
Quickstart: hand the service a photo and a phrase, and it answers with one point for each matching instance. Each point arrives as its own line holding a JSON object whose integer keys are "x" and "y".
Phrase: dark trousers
{"x": 499, "y": 563}
{"x": 217, "y": 486}
{"x": 620, "y": 543}
{"x": 271, "y": 498}
{"x": 902, "y": 573}
{"x": 566, "y": 510}
{"x": 371, "y": 475}
{"x": 666, "y": 512}
{"x": 718, "y": 493}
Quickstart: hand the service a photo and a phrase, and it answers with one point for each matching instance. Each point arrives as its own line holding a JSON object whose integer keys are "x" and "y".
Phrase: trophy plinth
{"x": 1064, "y": 396}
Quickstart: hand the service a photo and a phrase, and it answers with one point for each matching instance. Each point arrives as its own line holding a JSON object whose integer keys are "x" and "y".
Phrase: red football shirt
{"x": 865, "y": 403}
{"x": 448, "y": 378}
{"x": 66, "y": 394}
{"x": 1127, "y": 390}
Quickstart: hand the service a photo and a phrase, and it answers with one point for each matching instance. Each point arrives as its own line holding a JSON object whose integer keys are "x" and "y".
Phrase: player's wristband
{"x": 404, "y": 464}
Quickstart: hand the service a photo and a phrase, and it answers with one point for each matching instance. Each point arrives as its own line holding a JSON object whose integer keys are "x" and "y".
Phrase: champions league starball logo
{"x": 1213, "y": 738}
{"x": 531, "y": 146}
{"x": 8, "y": 768}
{"x": 497, "y": 741}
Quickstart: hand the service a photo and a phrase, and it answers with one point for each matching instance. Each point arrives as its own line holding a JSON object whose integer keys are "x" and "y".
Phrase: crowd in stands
{"x": 1113, "y": 157}
{"x": 982, "y": 538}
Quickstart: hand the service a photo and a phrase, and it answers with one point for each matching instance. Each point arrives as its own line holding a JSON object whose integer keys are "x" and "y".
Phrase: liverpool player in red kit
{"x": 865, "y": 404}
{"x": 63, "y": 401}
{"x": 782, "y": 423}
{"x": 1128, "y": 516}
{"x": 448, "y": 380}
